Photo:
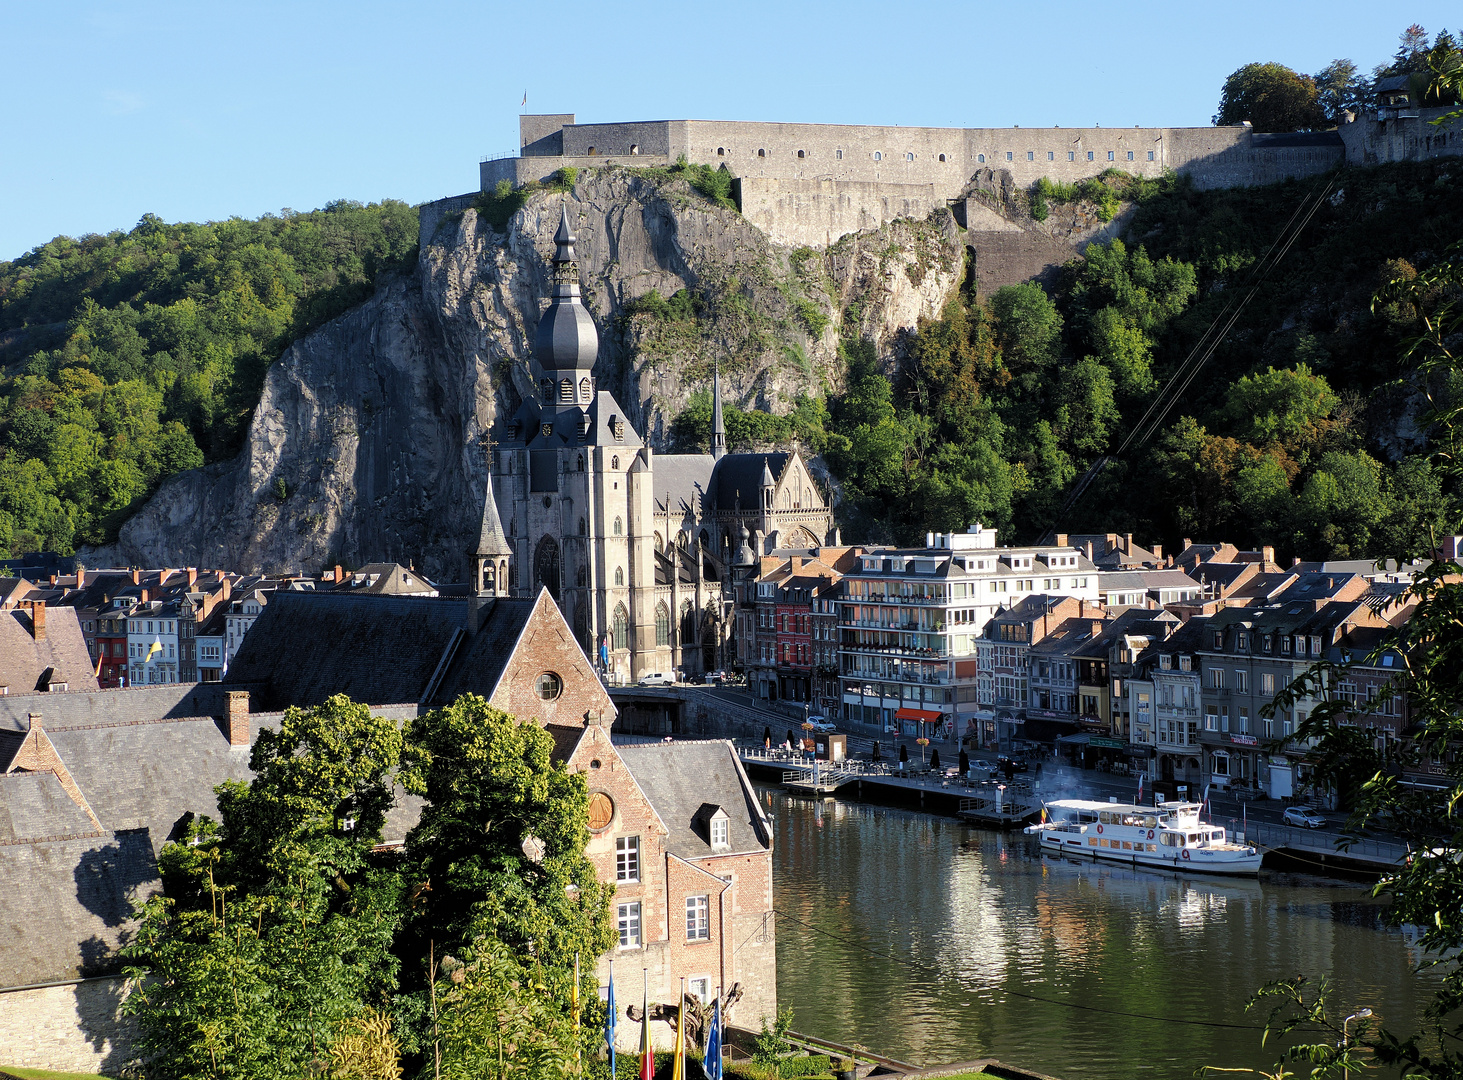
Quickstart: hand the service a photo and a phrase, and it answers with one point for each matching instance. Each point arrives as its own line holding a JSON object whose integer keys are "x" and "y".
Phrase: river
{"x": 931, "y": 942}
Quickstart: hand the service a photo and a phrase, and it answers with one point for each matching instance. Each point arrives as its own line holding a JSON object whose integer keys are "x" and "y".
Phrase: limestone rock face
{"x": 366, "y": 443}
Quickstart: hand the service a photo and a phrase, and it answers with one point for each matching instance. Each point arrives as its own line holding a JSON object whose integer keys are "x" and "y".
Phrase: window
{"x": 838, "y": 154}
{"x": 1089, "y": 155}
{"x": 1216, "y": 678}
{"x": 1050, "y": 156}
{"x": 1315, "y": 645}
{"x": 619, "y": 526}
{"x": 1219, "y": 639}
{"x": 662, "y": 624}
{"x": 1165, "y": 662}
{"x": 1109, "y": 155}
{"x": 878, "y": 155}
{"x": 1242, "y": 643}
{"x": 721, "y": 151}
{"x": 1267, "y": 684}
{"x": 761, "y": 153}
{"x": 980, "y": 158}
{"x": 1150, "y": 155}
{"x": 720, "y": 832}
{"x": 615, "y": 462}
{"x": 628, "y": 916}
{"x": 1241, "y": 680}
{"x": 802, "y": 153}
{"x": 942, "y": 157}
{"x": 1285, "y": 645}
{"x": 1211, "y": 721}
{"x": 619, "y": 575}
{"x": 908, "y": 157}
{"x": 1071, "y": 155}
{"x": 620, "y": 627}
{"x": 700, "y": 985}
{"x": 627, "y": 858}
{"x": 1185, "y": 663}
{"x": 1130, "y": 155}
{"x": 698, "y": 918}
{"x": 548, "y": 686}
{"x": 1030, "y": 155}
{"x": 1009, "y": 156}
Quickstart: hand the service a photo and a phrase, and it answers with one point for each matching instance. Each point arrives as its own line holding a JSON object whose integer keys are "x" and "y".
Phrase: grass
{"x": 18, "y": 1073}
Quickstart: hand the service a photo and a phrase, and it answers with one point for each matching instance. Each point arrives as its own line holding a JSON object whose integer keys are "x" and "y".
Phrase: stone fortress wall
{"x": 813, "y": 183}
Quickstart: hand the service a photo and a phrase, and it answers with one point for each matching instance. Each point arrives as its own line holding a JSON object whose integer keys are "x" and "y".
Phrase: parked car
{"x": 984, "y": 766}
{"x": 656, "y": 678}
{"x": 1302, "y": 817}
{"x": 1017, "y": 764}
{"x": 821, "y": 723}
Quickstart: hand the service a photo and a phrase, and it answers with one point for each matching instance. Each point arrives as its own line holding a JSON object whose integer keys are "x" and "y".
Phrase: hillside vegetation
{"x": 1303, "y": 430}
{"x": 131, "y": 356}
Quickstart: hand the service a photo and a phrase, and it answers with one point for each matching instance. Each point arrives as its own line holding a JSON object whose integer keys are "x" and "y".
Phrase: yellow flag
{"x": 153, "y": 649}
{"x": 678, "y": 1068}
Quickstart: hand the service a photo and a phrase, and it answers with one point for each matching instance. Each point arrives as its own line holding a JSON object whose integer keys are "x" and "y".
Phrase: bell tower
{"x": 566, "y": 342}
{"x": 490, "y": 562}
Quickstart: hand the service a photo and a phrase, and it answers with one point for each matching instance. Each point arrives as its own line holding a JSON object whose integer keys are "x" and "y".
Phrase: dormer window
{"x": 720, "y": 830}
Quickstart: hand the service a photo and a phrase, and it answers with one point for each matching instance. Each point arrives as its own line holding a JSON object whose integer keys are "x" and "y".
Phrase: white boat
{"x": 1168, "y": 836}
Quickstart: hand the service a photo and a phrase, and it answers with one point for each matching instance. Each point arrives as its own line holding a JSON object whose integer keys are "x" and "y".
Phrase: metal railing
{"x": 1290, "y": 836}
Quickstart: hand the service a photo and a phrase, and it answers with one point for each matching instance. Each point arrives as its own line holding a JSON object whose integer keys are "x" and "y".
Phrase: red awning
{"x": 918, "y": 714}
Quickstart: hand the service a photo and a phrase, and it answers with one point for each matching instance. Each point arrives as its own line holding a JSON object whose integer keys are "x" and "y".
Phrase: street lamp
{"x": 1360, "y": 1014}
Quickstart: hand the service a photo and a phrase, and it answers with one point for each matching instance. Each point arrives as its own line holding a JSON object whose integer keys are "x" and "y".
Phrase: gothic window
{"x": 582, "y": 530}
{"x": 659, "y": 542}
{"x": 619, "y": 527}
{"x": 579, "y": 463}
{"x": 619, "y": 575}
{"x": 688, "y": 623}
{"x": 808, "y": 497}
{"x": 583, "y": 575}
{"x": 614, "y": 462}
{"x": 620, "y": 628}
{"x": 546, "y": 566}
{"x": 590, "y": 152}
{"x": 662, "y": 624}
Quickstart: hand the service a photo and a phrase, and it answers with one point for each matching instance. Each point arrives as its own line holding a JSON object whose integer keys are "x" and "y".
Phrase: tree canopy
{"x": 1272, "y": 97}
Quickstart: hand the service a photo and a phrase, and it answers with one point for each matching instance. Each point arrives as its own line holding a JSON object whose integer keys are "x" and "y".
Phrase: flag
{"x": 1141, "y": 775}
{"x": 155, "y": 647}
{"x": 647, "y": 1055}
{"x": 525, "y": 97}
{"x": 678, "y": 1066}
{"x": 713, "y": 1042}
{"x": 610, "y": 1019}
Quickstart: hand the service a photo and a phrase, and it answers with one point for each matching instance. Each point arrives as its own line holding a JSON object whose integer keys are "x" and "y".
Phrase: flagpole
{"x": 610, "y": 1021}
{"x": 678, "y": 1066}
{"x": 647, "y": 1053}
{"x": 578, "y": 1046}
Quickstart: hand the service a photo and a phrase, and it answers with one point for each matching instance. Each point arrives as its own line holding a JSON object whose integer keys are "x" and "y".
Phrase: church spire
{"x": 566, "y": 342}
{"x": 491, "y": 558}
{"x": 718, "y": 428}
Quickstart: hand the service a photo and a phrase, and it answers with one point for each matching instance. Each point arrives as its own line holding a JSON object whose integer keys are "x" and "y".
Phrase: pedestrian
{"x": 767, "y": 737}
{"x": 875, "y": 755}
{"x": 964, "y": 763}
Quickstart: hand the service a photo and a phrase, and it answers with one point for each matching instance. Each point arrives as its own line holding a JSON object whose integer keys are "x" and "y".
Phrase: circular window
{"x": 549, "y": 686}
{"x": 601, "y": 811}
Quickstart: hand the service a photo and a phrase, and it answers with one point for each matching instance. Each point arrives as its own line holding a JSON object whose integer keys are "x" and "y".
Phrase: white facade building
{"x": 152, "y": 644}
{"x": 911, "y": 620}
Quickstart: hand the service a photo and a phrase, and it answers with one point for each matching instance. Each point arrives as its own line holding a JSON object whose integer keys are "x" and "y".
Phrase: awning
{"x": 918, "y": 714}
{"x": 1075, "y": 740}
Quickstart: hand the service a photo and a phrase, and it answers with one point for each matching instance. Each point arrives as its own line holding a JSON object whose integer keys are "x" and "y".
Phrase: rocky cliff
{"x": 365, "y": 443}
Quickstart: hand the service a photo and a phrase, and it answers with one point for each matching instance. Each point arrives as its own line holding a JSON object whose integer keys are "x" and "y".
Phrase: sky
{"x": 201, "y": 112}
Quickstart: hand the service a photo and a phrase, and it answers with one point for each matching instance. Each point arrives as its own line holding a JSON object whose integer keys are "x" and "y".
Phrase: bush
{"x": 1039, "y": 208}
{"x": 714, "y": 183}
{"x": 812, "y": 316}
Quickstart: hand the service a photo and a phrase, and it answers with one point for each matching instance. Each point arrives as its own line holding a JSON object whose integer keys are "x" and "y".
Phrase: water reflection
{"x": 931, "y": 942}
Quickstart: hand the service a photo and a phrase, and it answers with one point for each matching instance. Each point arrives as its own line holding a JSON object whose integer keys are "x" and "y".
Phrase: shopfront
{"x": 920, "y": 723}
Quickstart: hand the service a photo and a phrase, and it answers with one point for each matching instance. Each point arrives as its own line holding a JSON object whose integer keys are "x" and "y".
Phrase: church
{"x": 637, "y": 548}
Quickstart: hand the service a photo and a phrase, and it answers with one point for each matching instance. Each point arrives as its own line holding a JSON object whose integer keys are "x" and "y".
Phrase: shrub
{"x": 812, "y": 316}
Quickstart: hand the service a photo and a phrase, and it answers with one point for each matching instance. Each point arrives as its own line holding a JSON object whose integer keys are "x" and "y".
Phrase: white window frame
{"x": 627, "y": 858}
{"x": 628, "y": 922}
{"x": 698, "y": 917}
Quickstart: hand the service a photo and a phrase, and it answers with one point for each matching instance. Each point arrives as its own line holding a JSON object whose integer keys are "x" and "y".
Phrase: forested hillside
{"x": 127, "y": 357}
{"x": 1303, "y": 430}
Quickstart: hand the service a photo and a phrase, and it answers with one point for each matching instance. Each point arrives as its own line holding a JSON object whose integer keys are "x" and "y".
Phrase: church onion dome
{"x": 566, "y": 337}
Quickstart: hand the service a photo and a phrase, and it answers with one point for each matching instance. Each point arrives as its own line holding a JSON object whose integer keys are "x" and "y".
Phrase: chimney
{"x": 192, "y": 576}
{"x": 339, "y": 573}
{"x": 1158, "y": 553}
{"x": 53, "y": 579}
{"x": 1295, "y": 560}
{"x": 1268, "y": 551}
{"x": 38, "y": 619}
{"x": 1127, "y": 543}
{"x": 1187, "y": 544}
{"x": 1087, "y": 550}
{"x": 146, "y": 595}
{"x": 236, "y": 717}
{"x": 1061, "y": 539}
{"x": 796, "y": 564}
{"x": 225, "y": 586}
{"x": 929, "y": 543}
{"x": 35, "y": 721}
{"x": 136, "y": 576}
{"x": 80, "y": 576}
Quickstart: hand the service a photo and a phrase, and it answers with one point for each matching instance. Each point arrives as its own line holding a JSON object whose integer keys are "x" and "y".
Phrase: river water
{"x": 932, "y": 942}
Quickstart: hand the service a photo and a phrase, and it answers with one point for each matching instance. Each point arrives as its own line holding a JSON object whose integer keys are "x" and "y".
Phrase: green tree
{"x": 275, "y": 928}
{"x": 1290, "y": 409}
{"x": 1272, "y": 97}
{"x": 498, "y": 867}
{"x": 1338, "y": 88}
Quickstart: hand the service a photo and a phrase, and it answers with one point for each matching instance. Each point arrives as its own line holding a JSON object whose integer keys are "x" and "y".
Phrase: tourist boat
{"x": 1168, "y": 836}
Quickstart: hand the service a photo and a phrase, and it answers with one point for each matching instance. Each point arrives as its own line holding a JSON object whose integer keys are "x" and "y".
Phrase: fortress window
{"x": 721, "y": 151}
{"x": 761, "y": 153}
{"x": 942, "y": 157}
{"x": 1150, "y": 155}
{"x": 980, "y": 158}
{"x": 590, "y": 152}
{"x": 1031, "y": 155}
{"x": 1109, "y": 155}
{"x": 1009, "y": 155}
{"x": 1050, "y": 156}
{"x": 634, "y": 148}
{"x": 908, "y": 157}
{"x": 1130, "y": 155}
{"x": 802, "y": 154}
{"x": 838, "y": 154}
{"x": 1089, "y": 155}
{"x": 878, "y": 156}
{"x": 1071, "y": 155}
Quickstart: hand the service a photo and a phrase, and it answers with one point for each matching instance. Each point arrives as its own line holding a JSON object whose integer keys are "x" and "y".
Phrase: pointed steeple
{"x": 718, "y": 428}
{"x": 490, "y": 561}
{"x": 566, "y": 342}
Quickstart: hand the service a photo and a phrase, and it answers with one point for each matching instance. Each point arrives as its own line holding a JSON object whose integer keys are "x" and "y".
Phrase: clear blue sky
{"x": 204, "y": 111}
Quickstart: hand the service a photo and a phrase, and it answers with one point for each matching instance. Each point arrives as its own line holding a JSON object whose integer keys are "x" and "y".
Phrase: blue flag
{"x": 610, "y": 1020}
{"x": 713, "y": 1043}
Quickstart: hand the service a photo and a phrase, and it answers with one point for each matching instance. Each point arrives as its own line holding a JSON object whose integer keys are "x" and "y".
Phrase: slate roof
{"x": 114, "y": 707}
{"x": 23, "y": 659}
{"x": 381, "y": 650}
{"x": 681, "y": 779}
{"x": 682, "y": 481}
{"x": 34, "y": 807}
{"x": 479, "y": 661}
{"x": 739, "y": 476}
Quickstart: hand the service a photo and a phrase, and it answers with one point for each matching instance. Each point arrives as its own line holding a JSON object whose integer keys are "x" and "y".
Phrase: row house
{"x": 1166, "y": 686}
{"x": 1054, "y": 703}
{"x": 911, "y": 625}
{"x": 1111, "y": 729}
{"x": 1013, "y": 635}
